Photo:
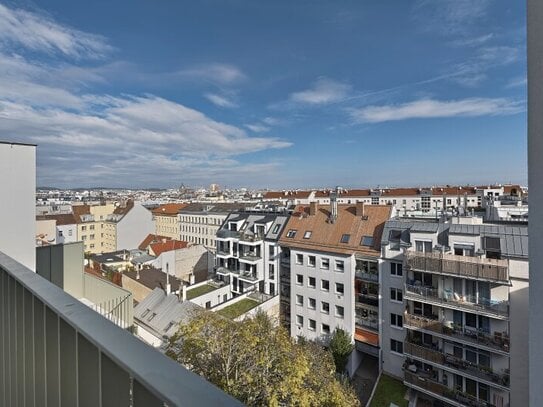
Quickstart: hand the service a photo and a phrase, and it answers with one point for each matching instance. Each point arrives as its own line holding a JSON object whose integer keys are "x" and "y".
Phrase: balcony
{"x": 459, "y": 266}
{"x": 374, "y": 278}
{"x": 449, "y": 299}
{"x": 224, "y": 252}
{"x": 251, "y": 238}
{"x": 371, "y": 323}
{"x": 250, "y": 257}
{"x": 57, "y": 351}
{"x": 463, "y": 366}
{"x": 430, "y": 386}
{"x": 228, "y": 234}
{"x": 285, "y": 261}
{"x": 248, "y": 276}
{"x": 498, "y": 342}
{"x": 371, "y": 300}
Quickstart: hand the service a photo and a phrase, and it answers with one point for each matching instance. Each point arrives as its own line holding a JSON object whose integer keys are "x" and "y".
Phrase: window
{"x": 311, "y": 261}
{"x": 312, "y": 325}
{"x": 311, "y": 282}
{"x": 396, "y": 346}
{"x": 325, "y": 307}
{"x": 84, "y": 237}
{"x": 92, "y": 246}
{"x": 396, "y": 295}
{"x": 271, "y": 271}
{"x": 271, "y": 251}
{"x": 325, "y": 264}
{"x": 340, "y": 265}
{"x": 299, "y": 299}
{"x": 91, "y": 227}
{"x": 311, "y": 303}
{"x": 70, "y": 232}
{"x": 276, "y": 229}
{"x": 339, "y": 288}
{"x": 291, "y": 233}
{"x": 91, "y": 237}
{"x": 325, "y": 285}
{"x": 395, "y": 235}
{"x": 307, "y": 234}
{"x": 83, "y": 228}
{"x": 208, "y": 305}
{"x": 345, "y": 238}
{"x": 367, "y": 241}
{"x": 325, "y": 329}
{"x": 299, "y": 279}
{"x": 299, "y": 320}
{"x": 396, "y": 320}
{"x": 299, "y": 259}
{"x": 396, "y": 269}
{"x": 424, "y": 247}
{"x": 340, "y": 312}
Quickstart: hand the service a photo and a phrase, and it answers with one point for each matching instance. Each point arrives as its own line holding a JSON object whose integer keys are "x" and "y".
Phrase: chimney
{"x": 168, "y": 286}
{"x": 184, "y": 290}
{"x": 360, "y": 209}
{"x": 191, "y": 278}
{"x": 333, "y": 205}
{"x": 313, "y": 208}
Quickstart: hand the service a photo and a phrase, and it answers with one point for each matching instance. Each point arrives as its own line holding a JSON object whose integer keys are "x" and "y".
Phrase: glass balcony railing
{"x": 373, "y": 277}
{"x": 459, "y": 266}
{"x": 58, "y": 351}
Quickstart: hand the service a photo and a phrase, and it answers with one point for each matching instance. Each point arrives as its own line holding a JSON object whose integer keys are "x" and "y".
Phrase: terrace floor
{"x": 389, "y": 390}
{"x": 198, "y": 291}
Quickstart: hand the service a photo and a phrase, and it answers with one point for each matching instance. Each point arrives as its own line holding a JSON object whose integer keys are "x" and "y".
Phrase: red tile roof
{"x": 159, "y": 248}
{"x": 152, "y": 238}
{"x": 79, "y": 210}
{"x": 171, "y": 209}
{"x": 62, "y": 219}
{"x": 287, "y": 194}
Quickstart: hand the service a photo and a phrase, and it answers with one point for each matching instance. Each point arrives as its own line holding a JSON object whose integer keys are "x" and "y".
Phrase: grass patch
{"x": 235, "y": 310}
{"x": 389, "y": 390}
{"x": 197, "y": 291}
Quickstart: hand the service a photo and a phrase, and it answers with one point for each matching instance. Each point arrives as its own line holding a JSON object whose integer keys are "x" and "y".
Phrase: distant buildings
{"x": 166, "y": 219}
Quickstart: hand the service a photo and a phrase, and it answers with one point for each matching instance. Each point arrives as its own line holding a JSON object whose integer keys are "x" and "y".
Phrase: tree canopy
{"x": 341, "y": 347}
{"x": 259, "y": 363}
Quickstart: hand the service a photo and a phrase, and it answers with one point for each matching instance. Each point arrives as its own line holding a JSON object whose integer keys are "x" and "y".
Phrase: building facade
{"x": 454, "y": 310}
{"x": 166, "y": 220}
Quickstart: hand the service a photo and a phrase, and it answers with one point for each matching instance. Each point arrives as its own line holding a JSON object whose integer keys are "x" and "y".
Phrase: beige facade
{"x": 167, "y": 225}
{"x": 96, "y": 229}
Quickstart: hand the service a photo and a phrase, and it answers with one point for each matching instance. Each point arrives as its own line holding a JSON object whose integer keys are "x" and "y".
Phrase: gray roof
{"x": 213, "y": 207}
{"x": 169, "y": 312}
{"x": 513, "y": 239}
{"x": 251, "y": 218}
{"x": 144, "y": 258}
{"x": 280, "y": 220}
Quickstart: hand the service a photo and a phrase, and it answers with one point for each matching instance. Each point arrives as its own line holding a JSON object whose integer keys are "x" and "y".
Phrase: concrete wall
{"x": 134, "y": 227}
{"x": 17, "y": 202}
{"x": 46, "y": 228}
{"x": 185, "y": 261}
{"x": 535, "y": 184}
{"x": 103, "y": 293}
{"x": 216, "y": 297}
{"x": 139, "y": 291}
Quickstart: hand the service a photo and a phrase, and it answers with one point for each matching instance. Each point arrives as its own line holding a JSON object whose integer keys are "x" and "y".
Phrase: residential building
{"x": 65, "y": 226}
{"x": 166, "y": 219}
{"x": 18, "y": 182}
{"x": 333, "y": 257}
{"x": 290, "y": 197}
{"x": 199, "y": 223}
{"x": 142, "y": 282}
{"x": 112, "y": 226}
{"x": 248, "y": 253}
{"x": 159, "y": 315}
{"x": 455, "y": 310}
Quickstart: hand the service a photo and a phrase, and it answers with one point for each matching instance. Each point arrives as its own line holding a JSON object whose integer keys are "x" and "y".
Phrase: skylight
{"x": 307, "y": 234}
{"x": 367, "y": 241}
{"x": 291, "y": 233}
{"x": 345, "y": 238}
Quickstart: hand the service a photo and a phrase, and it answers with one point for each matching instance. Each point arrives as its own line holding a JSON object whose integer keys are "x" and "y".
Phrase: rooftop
{"x": 170, "y": 209}
{"x": 153, "y": 278}
{"x": 167, "y": 246}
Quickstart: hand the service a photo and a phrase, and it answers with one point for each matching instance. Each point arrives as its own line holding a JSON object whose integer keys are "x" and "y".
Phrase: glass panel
{"x": 471, "y": 387}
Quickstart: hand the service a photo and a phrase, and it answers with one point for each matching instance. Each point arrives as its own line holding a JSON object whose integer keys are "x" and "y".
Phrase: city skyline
{"x": 280, "y": 95}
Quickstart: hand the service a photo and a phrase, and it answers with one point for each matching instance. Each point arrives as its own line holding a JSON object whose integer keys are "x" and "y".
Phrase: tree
{"x": 259, "y": 363}
{"x": 341, "y": 347}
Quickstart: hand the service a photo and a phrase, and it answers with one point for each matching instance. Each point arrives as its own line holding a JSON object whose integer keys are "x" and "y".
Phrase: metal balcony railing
{"x": 56, "y": 351}
{"x": 450, "y": 298}
{"x": 498, "y": 341}
{"x": 459, "y": 266}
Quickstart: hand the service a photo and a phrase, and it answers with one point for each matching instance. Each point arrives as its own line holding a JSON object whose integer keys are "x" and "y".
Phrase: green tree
{"x": 259, "y": 363}
{"x": 341, "y": 347}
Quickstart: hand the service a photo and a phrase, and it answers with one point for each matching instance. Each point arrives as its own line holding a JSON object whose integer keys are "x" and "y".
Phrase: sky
{"x": 271, "y": 94}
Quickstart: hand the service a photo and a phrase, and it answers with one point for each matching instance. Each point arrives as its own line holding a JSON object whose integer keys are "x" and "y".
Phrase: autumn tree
{"x": 258, "y": 362}
{"x": 341, "y": 347}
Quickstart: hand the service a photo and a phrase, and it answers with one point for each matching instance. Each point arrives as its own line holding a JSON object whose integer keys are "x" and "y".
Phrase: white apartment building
{"x": 200, "y": 222}
{"x": 454, "y": 310}
{"x": 423, "y": 199}
{"x": 248, "y": 254}
{"x": 18, "y": 180}
{"x": 332, "y": 254}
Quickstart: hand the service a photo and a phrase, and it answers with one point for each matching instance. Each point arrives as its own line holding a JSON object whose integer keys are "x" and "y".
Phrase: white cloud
{"x": 473, "y": 41}
{"x": 450, "y": 17}
{"x": 257, "y": 128}
{"x": 324, "y": 91}
{"x": 429, "y": 108}
{"x": 38, "y": 32}
{"x": 519, "y": 81}
{"x": 222, "y": 74}
{"x": 221, "y": 101}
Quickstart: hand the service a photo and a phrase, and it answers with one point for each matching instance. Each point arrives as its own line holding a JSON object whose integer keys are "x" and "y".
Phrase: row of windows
{"x": 324, "y": 306}
{"x": 312, "y": 324}
{"x": 201, "y": 220}
{"x": 198, "y": 240}
{"x": 339, "y": 265}
{"x": 325, "y": 284}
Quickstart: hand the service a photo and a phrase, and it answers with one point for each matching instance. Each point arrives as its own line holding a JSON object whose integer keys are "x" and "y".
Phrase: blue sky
{"x": 279, "y": 94}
